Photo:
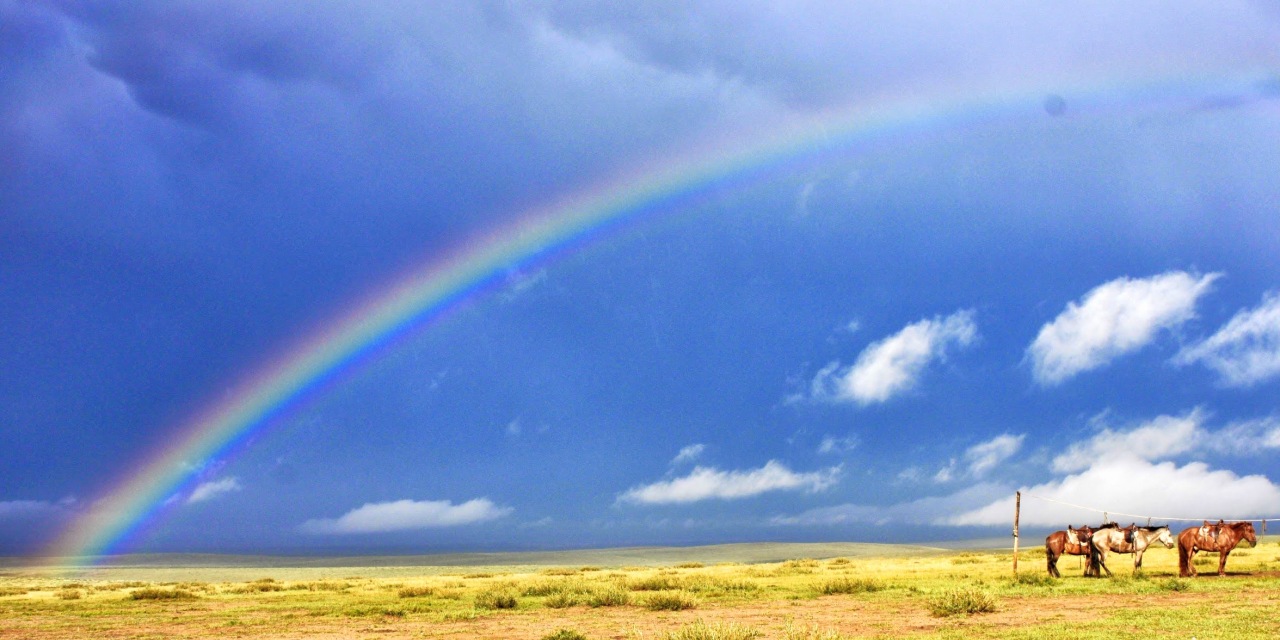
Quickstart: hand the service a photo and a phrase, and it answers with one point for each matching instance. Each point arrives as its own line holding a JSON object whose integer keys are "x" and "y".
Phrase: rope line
{"x": 1134, "y": 515}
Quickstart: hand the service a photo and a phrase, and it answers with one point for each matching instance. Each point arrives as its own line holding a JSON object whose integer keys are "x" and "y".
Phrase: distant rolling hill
{"x": 753, "y": 552}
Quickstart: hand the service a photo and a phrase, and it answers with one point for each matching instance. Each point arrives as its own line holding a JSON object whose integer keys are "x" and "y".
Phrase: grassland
{"x": 823, "y": 592}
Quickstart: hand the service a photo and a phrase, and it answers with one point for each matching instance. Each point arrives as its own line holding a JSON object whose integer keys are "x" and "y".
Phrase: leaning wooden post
{"x": 1017, "y": 511}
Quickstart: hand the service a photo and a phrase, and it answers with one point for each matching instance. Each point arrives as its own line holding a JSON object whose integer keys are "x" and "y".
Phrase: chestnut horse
{"x": 1131, "y": 539}
{"x": 1072, "y": 541}
{"x": 1221, "y": 537}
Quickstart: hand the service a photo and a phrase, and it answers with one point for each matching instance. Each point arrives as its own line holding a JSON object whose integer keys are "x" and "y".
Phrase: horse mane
{"x": 1154, "y": 527}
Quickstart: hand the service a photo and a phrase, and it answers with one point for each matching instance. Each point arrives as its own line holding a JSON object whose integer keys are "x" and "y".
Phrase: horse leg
{"x": 1137, "y": 560}
{"x": 1222, "y": 562}
{"x": 1102, "y": 563}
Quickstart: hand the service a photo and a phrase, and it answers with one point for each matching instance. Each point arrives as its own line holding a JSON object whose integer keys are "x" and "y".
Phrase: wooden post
{"x": 1017, "y": 512}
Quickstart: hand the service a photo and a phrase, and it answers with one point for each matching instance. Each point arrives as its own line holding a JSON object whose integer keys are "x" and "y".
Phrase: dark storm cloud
{"x": 189, "y": 61}
{"x": 188, "y": 186}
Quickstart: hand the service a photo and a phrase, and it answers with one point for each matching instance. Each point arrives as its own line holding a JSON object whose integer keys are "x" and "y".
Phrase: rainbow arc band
{"x": 442, "y": 283}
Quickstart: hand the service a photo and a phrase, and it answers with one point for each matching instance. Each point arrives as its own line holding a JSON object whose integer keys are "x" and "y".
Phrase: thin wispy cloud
{"x": 981, "y": 458}
{"x": 1245, "y": 438}
{"x": 209, "y": 490}
{"x": 1115, "y": 318}
{"x": 25, "y": 510}
{"x": 402, "y": 515}
{"x": 893, "y": 365}
{"x": 708, "y": 483}
{"x": 921, "y": 511}
{"x": 689, "y": 454}
{"x": 832, "y": 444}
{"x": 1246, "y": 350}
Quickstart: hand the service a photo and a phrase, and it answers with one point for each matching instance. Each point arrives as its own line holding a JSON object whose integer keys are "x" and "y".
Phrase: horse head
{"x": 1245, "y": 530}
{"x": 1164, "y": 537}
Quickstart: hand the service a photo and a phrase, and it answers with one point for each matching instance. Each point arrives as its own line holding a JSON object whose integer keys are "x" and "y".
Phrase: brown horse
{"x": 1074, "y": 542}
{"x": 1221, "y": 537}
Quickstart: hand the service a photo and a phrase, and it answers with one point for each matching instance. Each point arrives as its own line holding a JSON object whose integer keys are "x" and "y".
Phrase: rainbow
{"x": 444, "y": 282}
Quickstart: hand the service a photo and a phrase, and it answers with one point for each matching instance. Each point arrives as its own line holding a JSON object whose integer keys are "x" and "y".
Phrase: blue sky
{"x": 1079, "y": 298}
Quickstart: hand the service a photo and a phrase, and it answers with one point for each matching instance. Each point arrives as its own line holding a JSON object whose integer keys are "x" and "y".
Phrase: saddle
{"x": 1208, "y": 535}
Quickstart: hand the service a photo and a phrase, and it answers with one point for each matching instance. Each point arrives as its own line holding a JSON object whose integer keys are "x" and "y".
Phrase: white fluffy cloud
{"x": 1244, "y": 351}
{"x": 1118, "y": 470}
{"x": 981, "y": 457}
{"x": 1115, "y": 318}
{"x": 1131, "y": 485}
{"x": 704, "y": 483}
{"x": 402, "y": 515}
{"x": 1156, "y": 439}
{"x": 893, "y": 365}
{"x": 209, "y": 490}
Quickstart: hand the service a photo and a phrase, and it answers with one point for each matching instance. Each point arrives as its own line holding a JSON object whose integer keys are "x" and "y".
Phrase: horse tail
{"x": 1184, "y": 557}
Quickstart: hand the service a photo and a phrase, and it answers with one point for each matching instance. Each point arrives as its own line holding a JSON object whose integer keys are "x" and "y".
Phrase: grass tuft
{"x": 1031, "y": 579}
{"x": 792, "y": 632}
{"x": 564, "y": 634}
{"x": 656, "y": 583}
{"x": 609, "y": 596}
{"x": 501, "y": 598}
{"x": 152, "y": 593}
{"x": 670, "y": 601}
{"x": 561, "y": 600}
{"x": 416, "y": 592}
{"x": 850, "y": 585}
{"x": 560, "y": 571}
{"x": 962, "y": 602}
{"x": 718, "y": 631}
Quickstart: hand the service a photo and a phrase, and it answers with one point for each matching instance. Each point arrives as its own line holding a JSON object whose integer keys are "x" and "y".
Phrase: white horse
{"x": 1131, "y": 539}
